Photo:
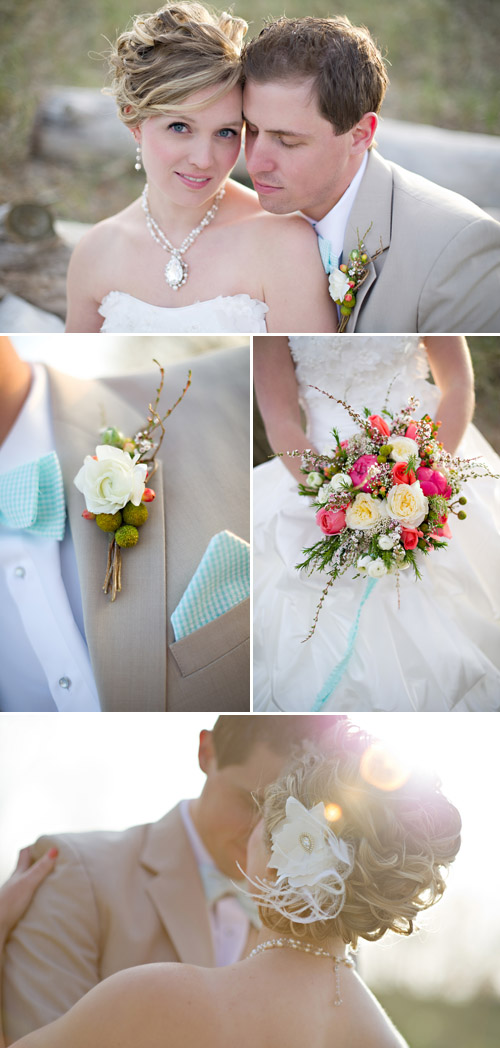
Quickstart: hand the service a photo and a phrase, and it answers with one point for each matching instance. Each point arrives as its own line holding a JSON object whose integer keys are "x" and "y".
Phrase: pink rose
{"x": 432, "y": 482}
{"x": 410, "y": 537}
{"x": 443, "y": 532}
{"x": 402, "y": 475}
{"x": 379, "y": 423}
{"x": 360, "y": 469}
{"x": 411, "y": 431}
{"x": 331, "y": 521}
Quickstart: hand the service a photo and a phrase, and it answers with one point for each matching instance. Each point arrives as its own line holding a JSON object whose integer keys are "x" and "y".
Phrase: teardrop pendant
{"x": 176, "y": 272}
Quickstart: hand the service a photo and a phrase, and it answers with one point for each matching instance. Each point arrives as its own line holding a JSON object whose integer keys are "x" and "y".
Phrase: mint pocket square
{"x": 221, "y": 580}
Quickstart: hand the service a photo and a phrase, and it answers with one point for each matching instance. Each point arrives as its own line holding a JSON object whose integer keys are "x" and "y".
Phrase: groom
{"x": 313, "y": 89}
{"x": 160, "y": 892}
{"x": 63, "y": 645}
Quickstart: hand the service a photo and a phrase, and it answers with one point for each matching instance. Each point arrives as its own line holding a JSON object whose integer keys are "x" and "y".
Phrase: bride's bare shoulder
{"x": 148, "y": 1006}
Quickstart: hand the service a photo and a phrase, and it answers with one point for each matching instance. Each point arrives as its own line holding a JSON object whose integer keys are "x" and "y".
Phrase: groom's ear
{"x": 363, "y": 133}
{"x": 206, "y": 752}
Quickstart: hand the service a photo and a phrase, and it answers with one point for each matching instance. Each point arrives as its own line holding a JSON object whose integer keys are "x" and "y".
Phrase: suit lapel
{"x": 126, "y": 639}
{"x": 176, "y": 890}
{"x": 372, "y": 212}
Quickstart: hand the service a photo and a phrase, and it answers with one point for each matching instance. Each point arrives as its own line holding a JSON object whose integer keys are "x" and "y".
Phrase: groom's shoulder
{"x": 102, "y": 845}
{"x": 419, "y": 192}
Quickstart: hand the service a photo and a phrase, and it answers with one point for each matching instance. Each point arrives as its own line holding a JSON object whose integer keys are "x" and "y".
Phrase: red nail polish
{"x": 53, "y": 853}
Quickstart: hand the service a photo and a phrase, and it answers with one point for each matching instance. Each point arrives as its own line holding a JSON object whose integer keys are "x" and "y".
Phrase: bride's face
{"x": 188, "y": 155}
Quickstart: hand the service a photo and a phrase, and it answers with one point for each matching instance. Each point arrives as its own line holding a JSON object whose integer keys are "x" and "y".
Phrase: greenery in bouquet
{"x": 383, "y": 497}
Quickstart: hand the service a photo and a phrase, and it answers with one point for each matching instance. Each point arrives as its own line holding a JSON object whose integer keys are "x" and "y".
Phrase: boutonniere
{"x": 345, "y": 281}
{"x": 113, "y": 483}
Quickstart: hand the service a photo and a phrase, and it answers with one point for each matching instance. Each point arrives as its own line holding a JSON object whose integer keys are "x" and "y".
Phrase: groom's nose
{"x": 258, "y": 155}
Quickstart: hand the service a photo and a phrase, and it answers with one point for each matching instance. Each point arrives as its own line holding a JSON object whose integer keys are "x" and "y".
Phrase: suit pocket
{"x": 209, "y": 670}
{"x": 213, "y": 642}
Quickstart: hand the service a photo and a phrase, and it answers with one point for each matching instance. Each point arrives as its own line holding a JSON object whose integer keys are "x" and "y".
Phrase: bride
{"x": 195, "y": 252}
{"x": 440, "y": 650}
{"x": 347, "y": 847}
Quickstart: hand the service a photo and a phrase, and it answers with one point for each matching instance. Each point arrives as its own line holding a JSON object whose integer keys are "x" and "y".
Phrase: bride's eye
{"x": 179, "y": 127}
{"x": 227, "y": 132}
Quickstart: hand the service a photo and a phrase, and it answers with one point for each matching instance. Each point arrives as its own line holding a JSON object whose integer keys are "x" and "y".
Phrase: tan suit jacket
{"x": 440, "y": 270}
{"x": 112, "y": 901}
{"x": 202, "y": 487}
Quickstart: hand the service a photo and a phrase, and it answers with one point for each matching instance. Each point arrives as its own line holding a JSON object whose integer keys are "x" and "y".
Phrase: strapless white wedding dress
{"x": 440, "y": 650}
{"x": 230, "y": 314}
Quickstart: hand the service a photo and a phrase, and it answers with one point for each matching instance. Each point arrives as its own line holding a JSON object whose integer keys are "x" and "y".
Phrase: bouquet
{"x": 383, "y": 497}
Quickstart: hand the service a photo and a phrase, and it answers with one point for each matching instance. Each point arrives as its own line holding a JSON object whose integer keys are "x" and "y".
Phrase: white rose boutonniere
{"x": 339, "y": 285}
{"x": 113, "y": 483}
{"x": 111, "y": 478}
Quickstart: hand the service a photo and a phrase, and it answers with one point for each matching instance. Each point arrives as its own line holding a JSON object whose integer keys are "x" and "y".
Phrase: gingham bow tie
{"x": 217, "y": 885}
{"x": 329, "y": 260}
{"x": 32, "y": 498}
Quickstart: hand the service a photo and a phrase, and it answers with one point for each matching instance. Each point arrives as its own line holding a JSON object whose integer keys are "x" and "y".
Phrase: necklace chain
{"x": 176, "y": 270}
{"x": 296, "y": 944}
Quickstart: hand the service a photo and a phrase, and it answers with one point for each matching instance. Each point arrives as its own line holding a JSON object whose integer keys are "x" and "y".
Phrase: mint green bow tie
{"x": 32, "y": 498}
{"x": 329, "y": 260}
{"x": 217, "y": 885}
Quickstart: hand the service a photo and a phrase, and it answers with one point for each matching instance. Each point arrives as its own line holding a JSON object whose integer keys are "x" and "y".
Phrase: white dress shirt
{"x": 333, "y": 225}
{"x": 228, "y": 922}
{"x": 44, "y": 661}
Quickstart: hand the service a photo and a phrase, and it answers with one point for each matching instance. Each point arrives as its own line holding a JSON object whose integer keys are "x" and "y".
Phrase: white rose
{"x": 323, "y": 494}
{"x": 363, "y": 562}
{"x": 339, "y": 284}
{"x": 402, "y": 448}
{"x": 377, "y": 568}
{"x": 305, "y": 849}
{"x": 314, "y": 480}
{"x": 386, "y": 541}
{"x": 407, "y": 504}
{"x": 340, "y": 482}
{"x": 365, "y": 512}
{"x": 110, "y": 480}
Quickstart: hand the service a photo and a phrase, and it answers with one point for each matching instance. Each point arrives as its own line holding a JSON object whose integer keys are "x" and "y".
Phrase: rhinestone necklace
{"x": 305, "y": 947}
{"x": 176, "y": 270}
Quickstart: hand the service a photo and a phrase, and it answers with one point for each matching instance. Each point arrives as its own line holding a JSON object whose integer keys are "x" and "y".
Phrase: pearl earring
{"x": 138, "y": 159}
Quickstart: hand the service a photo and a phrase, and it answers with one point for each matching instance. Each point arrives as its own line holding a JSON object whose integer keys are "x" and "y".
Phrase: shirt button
{"x": 20, "y": 572}
{"x": 65, "y": 683}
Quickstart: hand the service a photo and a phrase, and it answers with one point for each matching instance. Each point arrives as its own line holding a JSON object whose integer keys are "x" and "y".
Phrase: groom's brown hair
{"x": 342, "y": 60}
{"x": 234, "y": 737}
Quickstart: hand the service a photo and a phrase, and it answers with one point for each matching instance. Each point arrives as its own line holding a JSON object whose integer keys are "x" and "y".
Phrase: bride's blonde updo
{"x": 404, "y": 835}
{"x": 169, "y": 55}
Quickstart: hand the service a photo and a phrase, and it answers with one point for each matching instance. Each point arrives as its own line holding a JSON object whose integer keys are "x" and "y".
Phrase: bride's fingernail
{"x": 53, "y": 853}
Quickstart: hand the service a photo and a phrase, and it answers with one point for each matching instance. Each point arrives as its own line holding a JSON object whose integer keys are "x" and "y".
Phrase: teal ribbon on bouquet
{"x": 336, "y": 675}
{"x": 32, "y": 498}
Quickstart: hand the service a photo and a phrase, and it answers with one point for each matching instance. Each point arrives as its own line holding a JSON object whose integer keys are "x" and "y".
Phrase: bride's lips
{"x": 193, "y": 181}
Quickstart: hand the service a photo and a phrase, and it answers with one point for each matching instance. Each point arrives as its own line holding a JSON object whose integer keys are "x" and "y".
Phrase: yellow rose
{"x": 364, "y": 512}
{"x": 407, "y": 504}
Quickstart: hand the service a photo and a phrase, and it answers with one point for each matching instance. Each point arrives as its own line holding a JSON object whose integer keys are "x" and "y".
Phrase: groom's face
{"x": 228, "y": 809}
{"x": 295, "y": 159}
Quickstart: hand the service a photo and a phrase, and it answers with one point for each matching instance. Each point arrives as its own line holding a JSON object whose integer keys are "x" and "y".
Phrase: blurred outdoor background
{"x": 441, "y": 987}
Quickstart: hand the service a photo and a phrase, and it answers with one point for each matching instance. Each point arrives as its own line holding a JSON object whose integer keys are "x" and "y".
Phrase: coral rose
{"x": 401, "y": 474}
{"x": 379, "y": 423}
{"x": 410, "y": 537}
{"x": 411, "y": 431}
{"x": 331, "y": 521}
